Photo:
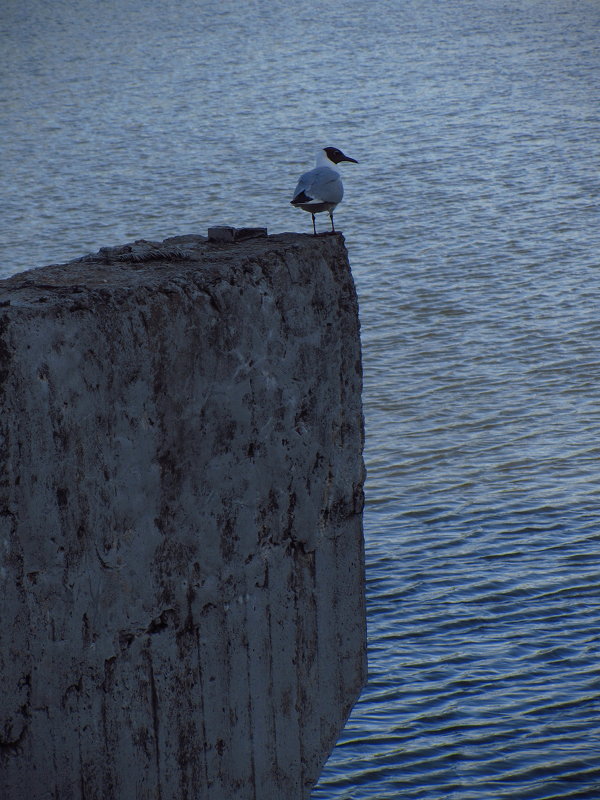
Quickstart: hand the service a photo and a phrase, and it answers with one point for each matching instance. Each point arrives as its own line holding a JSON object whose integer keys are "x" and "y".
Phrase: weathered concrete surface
{"x": 181, "y": 571}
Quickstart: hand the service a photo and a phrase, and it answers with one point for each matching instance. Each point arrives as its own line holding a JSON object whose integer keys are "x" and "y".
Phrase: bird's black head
{"x": 335, "y": 155}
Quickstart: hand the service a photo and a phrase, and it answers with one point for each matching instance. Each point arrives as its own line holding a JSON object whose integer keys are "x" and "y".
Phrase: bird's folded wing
{"x": 321, "y": 184}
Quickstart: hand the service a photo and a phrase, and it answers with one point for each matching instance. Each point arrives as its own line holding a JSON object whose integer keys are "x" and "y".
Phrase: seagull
{"x": 321, "y": 189}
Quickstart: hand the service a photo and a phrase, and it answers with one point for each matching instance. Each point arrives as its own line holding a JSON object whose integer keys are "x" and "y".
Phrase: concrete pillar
{"x": 181, "y": 553}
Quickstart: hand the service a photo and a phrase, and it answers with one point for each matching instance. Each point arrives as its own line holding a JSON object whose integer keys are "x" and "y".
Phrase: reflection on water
{"x": 472, "y": 225}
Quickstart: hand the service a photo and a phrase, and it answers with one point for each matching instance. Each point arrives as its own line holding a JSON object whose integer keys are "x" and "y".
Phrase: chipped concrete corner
{"x": 181, "y": 494}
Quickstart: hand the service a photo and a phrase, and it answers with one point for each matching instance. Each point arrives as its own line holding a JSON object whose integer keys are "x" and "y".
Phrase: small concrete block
{"x": 225, "y": 233}
{"x": 221, "y": 233}
{"x": 249, "y": 233}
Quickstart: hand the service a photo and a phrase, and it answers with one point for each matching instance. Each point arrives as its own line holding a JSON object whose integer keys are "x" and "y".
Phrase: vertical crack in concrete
{"x": 249, "y": 656}
{"x": 204, "y": 743}
{"x": 155, "y": 719}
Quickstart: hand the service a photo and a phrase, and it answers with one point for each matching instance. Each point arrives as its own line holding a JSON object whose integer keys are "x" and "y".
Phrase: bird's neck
{"x": 323, "y": 161}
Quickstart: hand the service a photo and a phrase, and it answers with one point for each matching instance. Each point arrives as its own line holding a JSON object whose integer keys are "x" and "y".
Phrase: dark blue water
{"x": 472, "y": 222}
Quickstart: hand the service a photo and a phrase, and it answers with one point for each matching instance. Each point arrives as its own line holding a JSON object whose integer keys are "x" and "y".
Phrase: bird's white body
{"x": 321, "y": 189}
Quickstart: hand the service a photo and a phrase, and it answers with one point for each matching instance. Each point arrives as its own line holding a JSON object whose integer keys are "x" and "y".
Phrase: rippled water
{"x": 472, "y": 223}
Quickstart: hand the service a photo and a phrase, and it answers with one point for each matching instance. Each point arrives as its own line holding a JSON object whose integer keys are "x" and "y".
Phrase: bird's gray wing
{"x": 322, "y": 184}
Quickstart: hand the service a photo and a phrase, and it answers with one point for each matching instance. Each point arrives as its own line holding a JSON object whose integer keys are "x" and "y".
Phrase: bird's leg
{"x": 331, "y": 218}
{"x": 314, "y": 226}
